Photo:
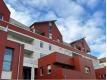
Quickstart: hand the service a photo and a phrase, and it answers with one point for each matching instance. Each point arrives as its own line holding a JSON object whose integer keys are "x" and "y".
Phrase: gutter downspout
{"x": 19, "y": 63}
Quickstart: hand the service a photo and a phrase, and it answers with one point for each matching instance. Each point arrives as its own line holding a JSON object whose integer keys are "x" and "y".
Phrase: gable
{"x": 81, "y": 45}
{"x": 48, "y": 27}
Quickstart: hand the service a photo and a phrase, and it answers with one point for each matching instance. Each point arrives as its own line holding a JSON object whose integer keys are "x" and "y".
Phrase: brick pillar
{"x": 17, "y": 61}
{"x": 3, "y": 39}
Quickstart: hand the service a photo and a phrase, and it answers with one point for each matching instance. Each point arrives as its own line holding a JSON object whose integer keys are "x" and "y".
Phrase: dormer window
{"x": 1, "y": 17}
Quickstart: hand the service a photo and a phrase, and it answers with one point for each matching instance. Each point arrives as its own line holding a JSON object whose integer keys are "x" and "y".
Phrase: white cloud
{"x": 90, "y": 3}
{"x": 49, "y": 16}
{"x": 20, "y": 16}
{"x": 74, "y": 20}
{"x": 91, "y": 29}
{"x": 100, "y": 48}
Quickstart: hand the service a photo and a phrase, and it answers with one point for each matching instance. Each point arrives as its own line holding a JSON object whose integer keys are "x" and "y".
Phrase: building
{"x": 61, "y": 66}
{"x": 23, "y": 51}
{"x": 100, "y": 70}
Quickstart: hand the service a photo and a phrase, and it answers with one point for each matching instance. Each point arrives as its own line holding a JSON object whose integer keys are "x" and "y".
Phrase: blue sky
{"x": 76, "y": 18}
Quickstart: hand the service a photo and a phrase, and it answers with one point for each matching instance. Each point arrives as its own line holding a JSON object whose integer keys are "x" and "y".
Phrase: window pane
{"x": 42, "y": 55}
{"x": 49, "y": 69}
{"x": 1, "y": 17}
{"x": 50, "y": 47}
{"x": 49, "y": 29}
{"x": 8, "y": 54}
{"x": 41, "y": 44}
{"x": 6, "y": 66}
{"x": 7, "y": 59}
{"x": 87, "y": 70}
{"x": 41, "y": 71}
{"x": 50, "y": 36}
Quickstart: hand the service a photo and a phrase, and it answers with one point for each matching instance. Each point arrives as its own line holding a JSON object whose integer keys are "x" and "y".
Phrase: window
{"x": 7, "y": 59}
{"x": 42, "y": 55}
{"x": 78, "y": 47}
{"x": 49, "y": 69}
{"x": 58, "y": 40}
{"x": 50, "y": 36}
{"x": 50, "y": 24}
{"x": 50, "y": 28}
{"x": 1, "y": 17}
{"x": 102, "y": 76}
{"x": 41, "y": 71}
{"x": 41, "y": 44}
{"x": 50, "y": 47}
{"x": 87, "y": 70}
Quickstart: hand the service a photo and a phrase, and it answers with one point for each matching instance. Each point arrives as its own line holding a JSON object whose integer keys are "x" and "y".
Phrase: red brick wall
{"x": 3, "y": 39}
{"x": 99, "y": 72}
{"x": 56, "y": 33}
{"x": 15, "y": 59}
{"x": 50, "y": 59}
{"x": 4, "y": 11}
{"x": 82, "y": 44}
{"x": 40, "y": 37}
{"x": 81, "y": 63}
{"x": 60, "y": 73}
{"x": 44, "y": 28}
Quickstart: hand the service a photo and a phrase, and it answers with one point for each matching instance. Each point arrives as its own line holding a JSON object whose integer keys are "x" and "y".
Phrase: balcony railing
{"x": 3, "y": 28}
{"x": 30, "y": 62}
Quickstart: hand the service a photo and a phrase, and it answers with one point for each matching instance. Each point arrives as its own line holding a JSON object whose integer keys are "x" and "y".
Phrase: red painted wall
{"x": 60, "y": 73}
{"x": 4, "y": 11}
{"x": 99, "y": 72}
{"x": 15, "y": 59}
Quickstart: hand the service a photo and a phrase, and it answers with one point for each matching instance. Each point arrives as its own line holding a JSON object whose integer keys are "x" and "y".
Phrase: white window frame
{"x": 49, "y": 68}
